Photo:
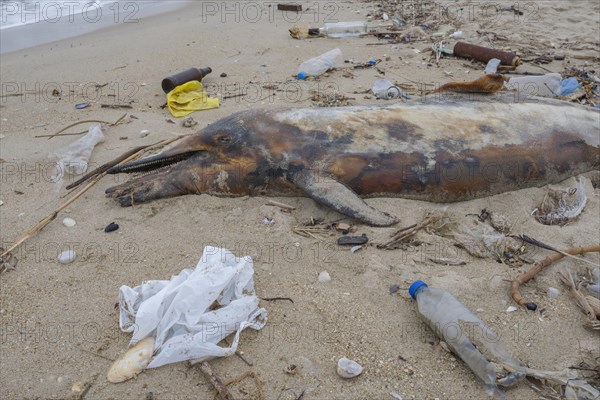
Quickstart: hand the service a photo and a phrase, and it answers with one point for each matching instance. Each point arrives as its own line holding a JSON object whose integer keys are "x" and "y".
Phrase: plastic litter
{"x": 548, "y": 85}
{"x": 341, "y": 29}
{"x": 320, "y": 64}
{"x": 386, "y": 90}
{"x": 189, "y": 97}
{"x": 466, "y": 335}
{"x": 74, "y": 158}
{"x": 568, "y": 86}
{"x": 492, "y": 66}
{"x": 192, "y": 312}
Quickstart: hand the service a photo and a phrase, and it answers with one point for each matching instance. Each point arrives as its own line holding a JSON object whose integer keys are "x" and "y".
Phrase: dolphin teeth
{"x": 149, "y": 164}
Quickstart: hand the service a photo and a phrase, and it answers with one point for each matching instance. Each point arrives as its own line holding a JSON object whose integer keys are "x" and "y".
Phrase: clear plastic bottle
{"x": 384, "y": 89}
{"x": 466, "y": 335}
{"x": 318, "y": 65}
{"x": 341, "y": 29}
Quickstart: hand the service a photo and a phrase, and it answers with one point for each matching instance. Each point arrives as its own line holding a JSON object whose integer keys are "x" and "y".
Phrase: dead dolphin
{"x": 435, "y": 150}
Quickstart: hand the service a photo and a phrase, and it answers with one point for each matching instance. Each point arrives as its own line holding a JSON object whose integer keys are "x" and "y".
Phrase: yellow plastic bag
{"x": 189, "y": 97}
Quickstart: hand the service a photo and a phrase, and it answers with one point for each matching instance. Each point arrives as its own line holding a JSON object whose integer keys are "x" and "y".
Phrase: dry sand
{"x": 59, "y": 323}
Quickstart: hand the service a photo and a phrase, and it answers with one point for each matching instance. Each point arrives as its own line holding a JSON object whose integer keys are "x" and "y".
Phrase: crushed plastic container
{"x": 320, "y": 64}
{"x": 466, "y": 335}
{"x": 547, "y": 85}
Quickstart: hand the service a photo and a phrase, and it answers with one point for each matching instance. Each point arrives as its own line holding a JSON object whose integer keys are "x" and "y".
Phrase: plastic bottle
{"x": 341, "y": 29}
{"x": 466, "y": 335}
{"x": 384, "y": 89}
{"x": 191, "y": 74}
{"x": 547, "y": 85}
{"x": 318, "y": 65}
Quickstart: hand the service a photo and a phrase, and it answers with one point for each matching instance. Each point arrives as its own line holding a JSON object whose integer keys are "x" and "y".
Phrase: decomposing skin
{"x": 490, "y": 83}
{"x": 440, "y": 150}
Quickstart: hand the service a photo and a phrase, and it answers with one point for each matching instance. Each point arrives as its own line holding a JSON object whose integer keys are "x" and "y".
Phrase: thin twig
{"x": 86, "y": 122}
{"x": 243, "y": 376}
{"x": 215, "y": 381}
{"x": 280, "y": 205}
{"x": 543, "y": 245}
{"x": 539, "y": 266}
{"x": 404, "y": 233}
{"x": 276, "y": 299}
{"x": 44, "y": 222}
{"x": 105, "y": 167}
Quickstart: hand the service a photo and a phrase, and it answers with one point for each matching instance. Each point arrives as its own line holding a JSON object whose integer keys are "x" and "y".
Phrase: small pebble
{"x": 348, "y": 369}
{"x": 324, "y": 277}
{"x": 111, "y": 227}
{"x": 511, "y": 309}
{"x": 444, "y": 346}
{"x": 66, "y": 257}
{"x": 353, "y": 240}
{"x": 223, "y": 75}
{"x": 559, "y": 56}
{"x": 1, "y": 202}
{"x": 553, "y": 292}
{"x": 394, "y": 288}
{"x": 144, "y": 133}
{"x": 69, "y": 222}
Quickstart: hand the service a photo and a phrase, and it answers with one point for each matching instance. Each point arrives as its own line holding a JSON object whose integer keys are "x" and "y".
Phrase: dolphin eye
{"x": 223, "y": 139}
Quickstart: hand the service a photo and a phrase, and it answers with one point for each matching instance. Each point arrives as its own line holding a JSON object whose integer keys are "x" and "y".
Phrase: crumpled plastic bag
{"x": 189, "y": 97}
{"x": 192, "y": 312}
{"x": 74, "y": 158}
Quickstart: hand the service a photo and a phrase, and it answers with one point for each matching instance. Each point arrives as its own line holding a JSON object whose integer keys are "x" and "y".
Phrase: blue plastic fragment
{"x": 81, "y": 106}
{"x": 568, "y": 86}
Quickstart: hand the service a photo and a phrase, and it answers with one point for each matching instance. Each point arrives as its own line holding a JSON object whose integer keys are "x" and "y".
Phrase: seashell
{"x": 348, "y": 369}
{"x": 134, "y": 361}
{"x": 553, "y": 292}
{"x": 511, "y": 309}
{"x": 69, "y": 222}
{"x": 324, "y": 276}
{"x": 67, "y": 257}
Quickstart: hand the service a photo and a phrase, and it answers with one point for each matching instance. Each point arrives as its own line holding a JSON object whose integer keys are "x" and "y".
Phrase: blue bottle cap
{"x": 301, "y": 75}
{"x": 412, "y": 290}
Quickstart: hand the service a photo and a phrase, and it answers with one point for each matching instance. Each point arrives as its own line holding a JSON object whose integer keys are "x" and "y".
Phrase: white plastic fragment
{"x": 354, "y": 249}
{"x": 67, "y": 257}
{"x": 348, "y": 368}
{"x": 192, "y": 312}
{"x": 511, "y": 309}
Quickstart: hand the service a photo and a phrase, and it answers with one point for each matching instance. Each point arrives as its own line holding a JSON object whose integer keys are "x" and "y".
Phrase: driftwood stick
{"x": 280, "y": 205}
{"x": 104, "y": 167}
{"x": 540, "y": 265}
{"x": 215, "y": 381}
{"x": 44, "y": 222}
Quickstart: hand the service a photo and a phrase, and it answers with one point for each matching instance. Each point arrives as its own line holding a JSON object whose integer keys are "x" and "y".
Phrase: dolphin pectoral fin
{"x": 329, "y": 192}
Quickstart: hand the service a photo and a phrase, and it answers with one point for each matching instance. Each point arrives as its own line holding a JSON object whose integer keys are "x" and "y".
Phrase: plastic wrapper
{"x": 192, "y": 312}
{"x": 74, "y": 158}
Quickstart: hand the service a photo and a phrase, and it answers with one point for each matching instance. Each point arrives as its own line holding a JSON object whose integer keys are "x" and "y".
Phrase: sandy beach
{"x": 59, "y": 323}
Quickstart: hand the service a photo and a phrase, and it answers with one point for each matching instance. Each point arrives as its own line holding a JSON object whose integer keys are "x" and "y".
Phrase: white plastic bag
{"x": 74, "y": 158}
{"x": 192, "y": 312}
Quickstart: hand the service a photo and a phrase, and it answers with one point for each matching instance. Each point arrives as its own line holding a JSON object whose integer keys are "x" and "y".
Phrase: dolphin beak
{"x": 152, "y": 163}
{"x": 189, "y": 147}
